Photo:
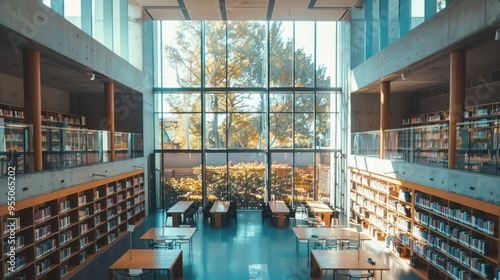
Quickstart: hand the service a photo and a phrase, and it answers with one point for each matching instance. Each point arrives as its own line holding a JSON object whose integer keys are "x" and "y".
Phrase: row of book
{"x": 18, "y": 244}
{"x": 64, "y": 222}
{"x": 83, "y": 213}
{"x": 42, "y": 213}
{"x": 44, "y": 248}
{"x": 42, "y": 232}
{"x": 84, "y": 241}
{"x": 84, "y": 228}
{"x": 465, "y": 217}
{"x": 19, "y": 262}
{"x": 42, "y": 267}
{"x": 82, "y": 199}
{"x": 65, "y": 253}
{"x": 65, "y": 237}
{"x": 11, "y": 224}
{"x": 64, "y": 206}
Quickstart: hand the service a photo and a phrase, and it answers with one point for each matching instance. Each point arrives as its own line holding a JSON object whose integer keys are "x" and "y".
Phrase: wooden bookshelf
{"x": 56, "y": 234}
{"x": 16, "y": 113}
{"x": 443, "y": 235}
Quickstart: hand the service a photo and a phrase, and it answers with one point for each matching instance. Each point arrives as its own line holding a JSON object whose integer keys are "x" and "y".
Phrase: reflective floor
{"x": 225, "y": 253}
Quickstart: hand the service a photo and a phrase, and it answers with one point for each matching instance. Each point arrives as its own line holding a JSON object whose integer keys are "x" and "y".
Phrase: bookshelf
{"x": 56, "y": 234}
{"x": 16, "y": 113}
{"x": 443, "y": 235}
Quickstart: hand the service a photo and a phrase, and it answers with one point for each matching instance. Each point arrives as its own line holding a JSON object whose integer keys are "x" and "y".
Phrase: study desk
{"x": 169, "y": 260}
{"x": 322, "y": 260}
{"x": 177, "y": 210}
{"x": 326, "y": 233}
{"x": 218, "y": 209}
{"x": 321, "y": 209}
{"x": 169, "y": 233}
{"x": 279, "y": 208}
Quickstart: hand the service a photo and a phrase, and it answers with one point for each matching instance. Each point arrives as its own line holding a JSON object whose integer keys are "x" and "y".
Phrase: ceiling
{"x": 319, "y": 10}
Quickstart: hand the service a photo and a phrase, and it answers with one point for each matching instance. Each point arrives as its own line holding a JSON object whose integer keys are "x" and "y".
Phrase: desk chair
{"x": 356, "y": 274}
{"x": 351, "y": 244}
{"x": 179, "y": 242}
{"x": 135, "y": 273}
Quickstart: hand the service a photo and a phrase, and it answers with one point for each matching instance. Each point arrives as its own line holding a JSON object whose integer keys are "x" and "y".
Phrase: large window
{"x": 257, "y": 102}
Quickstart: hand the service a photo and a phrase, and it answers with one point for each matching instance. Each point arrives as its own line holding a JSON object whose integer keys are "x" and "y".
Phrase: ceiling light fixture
{"x": 403, "y": 75}
{"x": 497, "y": 35}
{"x": 90, "y": 75}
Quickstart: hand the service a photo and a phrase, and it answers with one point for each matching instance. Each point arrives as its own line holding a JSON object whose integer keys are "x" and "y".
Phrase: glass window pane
{"x": 417, "y": 12}
{"x": 181, "y": 177}
{"x": 181, "y": 49}
{"x": 281, "y": 176}
{"x": 182, "y": 131}
{"x": 303, "y": 177}
{"x": 247, "y": 130}
{"x": 215, "y": 131}
{"x": 304, "y": 102}
{"x": 215, "y": 54}
{"x": 181, "y": 102}
{"x": 324, "y": 172}
{"x": 280, "y": 130}
{"x": 304, "y": 130}
{"x": 216, "y": 176}
{"x": 247, "y": 177}
{"x": 325, "y": 53}
{"x": 280, "y": 102}
{"x": 246, "y": 53}
{"x": 246, "y": 102}
{"x": 98, "y": 20}
{"x": 215, "y": 102}
{"x": 72, "y": 12}
{"x": 304, "y": 54}
{"x": 324, "y": 102}
{"x": 324, "y": 127}
{"x": 280, "y": 54}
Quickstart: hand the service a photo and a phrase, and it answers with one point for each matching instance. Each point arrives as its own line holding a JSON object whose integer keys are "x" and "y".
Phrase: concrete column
{"x": 33, "y": 101}
{"x": 109, "y": 91}
{"x": 385, "y": 113}
{"x": 457, "y": 100}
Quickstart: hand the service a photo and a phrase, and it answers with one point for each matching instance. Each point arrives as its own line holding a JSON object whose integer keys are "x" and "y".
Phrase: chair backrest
{"x": 358, "y": 274}
{"x": 134, "y": 272}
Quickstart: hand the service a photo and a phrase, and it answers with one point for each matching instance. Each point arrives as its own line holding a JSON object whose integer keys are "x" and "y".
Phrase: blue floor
{"x": 225, "y": 253}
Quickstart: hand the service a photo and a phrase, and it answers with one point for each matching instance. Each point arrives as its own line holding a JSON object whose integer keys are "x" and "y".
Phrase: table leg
{"x": 281, "y": 220}
{"x": 175, "y": 220}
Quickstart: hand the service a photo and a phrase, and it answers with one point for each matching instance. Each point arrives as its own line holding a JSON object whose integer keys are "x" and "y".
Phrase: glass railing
{"x": 478, "y": 145}
{"x": 15, "y": 148}
{"x": 366, "y": 144}
{"x": 63, "y": 147}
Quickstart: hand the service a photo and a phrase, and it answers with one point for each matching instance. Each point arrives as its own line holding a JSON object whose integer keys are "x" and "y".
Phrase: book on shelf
{"x": 44, "y": 248}
{"x": 64, "y": 206}
{"x": 42, "y": 213}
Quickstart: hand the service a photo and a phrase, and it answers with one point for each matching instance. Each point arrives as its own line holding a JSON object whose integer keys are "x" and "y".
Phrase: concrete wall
{"x": 481, "y": 187}
{"x": 458, "y": 21}
{"x": 365, "y": 110}
{"x": 11, "y": 92}
{"x": 41, "y": 25}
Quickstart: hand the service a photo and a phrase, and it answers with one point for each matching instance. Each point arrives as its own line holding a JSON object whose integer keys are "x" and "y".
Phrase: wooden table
{"x": 178, "y": 209}
{"x": 321, "y": 209}
{"x": 169, "y": 260}
{"x": 218, "y": 209}
{"x": 325, "y": 233}
{"x": 169, "y": 233}
{"x": 322, "y": 260}
{"x": 279, "y": 207}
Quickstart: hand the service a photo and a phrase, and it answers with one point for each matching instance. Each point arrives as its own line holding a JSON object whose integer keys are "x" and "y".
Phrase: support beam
{"x": 33, "y": 102}
{"x": 109, "y": 90}
{"x": 385, "y": 113}
{"x": 457, "y": 100}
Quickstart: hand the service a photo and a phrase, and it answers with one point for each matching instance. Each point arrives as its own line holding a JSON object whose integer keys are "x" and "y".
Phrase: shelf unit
{"x": 443, "y": 235}
{"x": 16, "y": 113}
{"x": 56, "y": 234}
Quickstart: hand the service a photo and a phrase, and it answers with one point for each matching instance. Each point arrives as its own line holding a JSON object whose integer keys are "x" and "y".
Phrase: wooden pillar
{"x": 109, "y": 90}
{"x": 33, "y": 102}
{"x": 385, "y": 113}
{"x": 457, "y": 100}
